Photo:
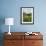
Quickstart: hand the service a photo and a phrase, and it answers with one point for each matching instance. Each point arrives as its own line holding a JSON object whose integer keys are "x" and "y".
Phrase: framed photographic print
{"x": 27, "y": 15}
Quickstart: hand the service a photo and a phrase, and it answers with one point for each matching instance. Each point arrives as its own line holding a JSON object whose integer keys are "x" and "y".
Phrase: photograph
{"x": 27, "y": 15}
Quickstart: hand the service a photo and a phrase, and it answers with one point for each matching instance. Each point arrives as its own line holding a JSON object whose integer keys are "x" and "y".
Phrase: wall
{"x": 11, "y": 8}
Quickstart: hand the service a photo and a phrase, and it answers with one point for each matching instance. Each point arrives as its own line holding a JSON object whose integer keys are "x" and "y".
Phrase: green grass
{"x": 27, "y": 17}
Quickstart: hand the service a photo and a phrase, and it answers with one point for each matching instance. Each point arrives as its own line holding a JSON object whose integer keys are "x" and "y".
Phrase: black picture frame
{"x": 27, "y": 15}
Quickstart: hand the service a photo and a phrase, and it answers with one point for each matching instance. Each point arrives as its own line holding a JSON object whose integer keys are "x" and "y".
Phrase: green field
{"x": 27, "y": 17}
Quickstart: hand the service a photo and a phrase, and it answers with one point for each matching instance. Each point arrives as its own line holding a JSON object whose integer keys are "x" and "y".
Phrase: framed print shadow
{"x": 27, "y": 15}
